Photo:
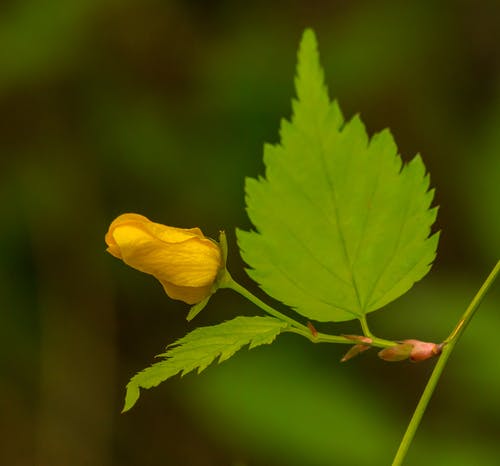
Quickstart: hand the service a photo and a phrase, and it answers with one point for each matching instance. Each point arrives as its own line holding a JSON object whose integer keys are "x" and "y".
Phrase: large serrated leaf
{"x": 201, "y": 347}
{"x": 342, "y": 225}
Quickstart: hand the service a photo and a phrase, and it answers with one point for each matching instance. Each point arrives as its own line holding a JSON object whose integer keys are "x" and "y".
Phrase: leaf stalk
{"x": 294, "y": 326}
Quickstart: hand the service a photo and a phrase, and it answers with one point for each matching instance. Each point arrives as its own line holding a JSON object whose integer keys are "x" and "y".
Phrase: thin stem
{"x": 469, "y": 312}
{"x": 230, "y": 283}
{"x": 364, "y": 326}
{"x": 319, "y": 337}
{"x": 380, "y": 342}
{"x": 421, "y": 407}
{"x": 448, "y": 346}
{"x": 295, "y": 326}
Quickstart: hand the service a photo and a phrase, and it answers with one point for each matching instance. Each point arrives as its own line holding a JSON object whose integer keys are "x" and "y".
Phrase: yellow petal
{"x": 193, "y": 262}
{"x": 190, "y": 295}
{"x": 123, "y": 219}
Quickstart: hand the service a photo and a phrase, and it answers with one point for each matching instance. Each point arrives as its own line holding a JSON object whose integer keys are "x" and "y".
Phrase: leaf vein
{"x": 396, "y": 249}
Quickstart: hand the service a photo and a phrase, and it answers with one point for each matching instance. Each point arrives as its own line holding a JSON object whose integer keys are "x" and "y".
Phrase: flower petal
{"x": 193, "y": 262}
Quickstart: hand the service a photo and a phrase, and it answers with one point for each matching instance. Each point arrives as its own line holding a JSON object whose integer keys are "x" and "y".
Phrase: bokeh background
{"x": 162, "y": 108}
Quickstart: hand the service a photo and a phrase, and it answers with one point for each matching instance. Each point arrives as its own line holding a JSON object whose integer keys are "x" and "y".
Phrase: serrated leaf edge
{"x": 137, "y": 381}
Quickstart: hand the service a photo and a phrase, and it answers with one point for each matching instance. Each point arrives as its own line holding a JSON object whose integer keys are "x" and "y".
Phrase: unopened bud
{"x": 354, "y": 351}
{"x": 422, "y": 350}
{"x": 396, "y": 353}
{"x": 359, "y": 338}
{"x": 312, "y": 329}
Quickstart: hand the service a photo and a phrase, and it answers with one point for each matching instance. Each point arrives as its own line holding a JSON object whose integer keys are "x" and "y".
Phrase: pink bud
{"x": 423, "y": 350}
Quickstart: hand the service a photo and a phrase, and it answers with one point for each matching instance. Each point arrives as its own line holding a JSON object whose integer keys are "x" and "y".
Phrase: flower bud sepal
{"x": 220, "y": 279}
{"x": 197, "y": 308}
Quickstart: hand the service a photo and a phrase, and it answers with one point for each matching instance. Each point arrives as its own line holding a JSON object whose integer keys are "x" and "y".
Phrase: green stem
{"x": 230, "y": 283}
{"x": 376, "y": 341}
{"x": 448, "y": 346}
{"x": 295, "y": 326}
{"x": 364, "y": 326}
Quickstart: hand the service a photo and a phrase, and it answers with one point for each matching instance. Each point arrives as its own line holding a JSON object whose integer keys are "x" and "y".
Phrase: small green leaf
{"x": 201, "y": 347}
{"x": 342, "y": 225}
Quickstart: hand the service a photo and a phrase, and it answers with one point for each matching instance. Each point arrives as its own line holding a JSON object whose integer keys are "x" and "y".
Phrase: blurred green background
{"x": 162, "y": 108}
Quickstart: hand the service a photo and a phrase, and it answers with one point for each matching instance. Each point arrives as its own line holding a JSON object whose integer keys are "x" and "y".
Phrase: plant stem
{"x": 230, "y": 283}
{"x": 364, "y": 326}
{"x": 380, "y": 342}
{"x": 448, "y": 346}
{"x": 295, "y": 326}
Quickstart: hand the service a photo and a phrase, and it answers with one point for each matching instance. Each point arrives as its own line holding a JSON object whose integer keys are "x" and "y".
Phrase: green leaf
{"x": 342, "y": 225}
{"x": 199, "y": 348}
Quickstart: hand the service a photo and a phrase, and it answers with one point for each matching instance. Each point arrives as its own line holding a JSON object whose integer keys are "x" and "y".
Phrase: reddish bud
{"x": 354, "y": 351}
{"x": 422, "y": 350}
{"x": 360, "y": 338}
{"x": 314, "y": 332}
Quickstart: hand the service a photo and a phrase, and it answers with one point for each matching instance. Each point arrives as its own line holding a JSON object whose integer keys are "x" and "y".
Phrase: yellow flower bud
{"x": 184, "y": 261}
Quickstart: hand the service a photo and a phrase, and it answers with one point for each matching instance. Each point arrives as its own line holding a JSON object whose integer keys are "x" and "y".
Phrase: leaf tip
{"x": 308, "y": 37}
{"x": 308, "y": 47}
